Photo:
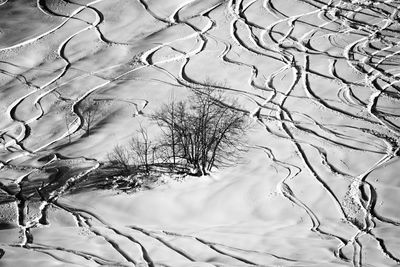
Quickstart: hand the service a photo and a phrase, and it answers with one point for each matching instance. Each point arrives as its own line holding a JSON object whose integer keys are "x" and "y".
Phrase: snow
{"x": 318, "y": 185}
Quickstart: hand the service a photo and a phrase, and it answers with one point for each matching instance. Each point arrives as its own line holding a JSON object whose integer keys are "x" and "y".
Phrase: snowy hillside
{"x": 317, "y": 185}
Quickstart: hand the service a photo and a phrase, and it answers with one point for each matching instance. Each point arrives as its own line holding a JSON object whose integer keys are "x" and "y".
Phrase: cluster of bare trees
{"x": 199, "y": 133}
{"x": 137, "y": 156}
{"x": 203, "y": 132}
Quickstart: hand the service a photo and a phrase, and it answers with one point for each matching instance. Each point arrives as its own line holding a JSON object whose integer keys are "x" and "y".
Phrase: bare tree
{"x": 141, "y": 148}
{"x": 139, "y": 154}
{"x": 91, "y": 111}
{"x": 204, "y": 131}
{"x": 120, "y": 157}
{"x": 173, "y": 130}
{"x": 64, "y": 108}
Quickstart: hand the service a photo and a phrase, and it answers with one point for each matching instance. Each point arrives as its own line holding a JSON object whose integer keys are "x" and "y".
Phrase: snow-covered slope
{"x": 318, "y": 185}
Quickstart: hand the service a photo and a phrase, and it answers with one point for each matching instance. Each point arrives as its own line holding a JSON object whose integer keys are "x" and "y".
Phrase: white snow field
{"x": 318, "y": 80}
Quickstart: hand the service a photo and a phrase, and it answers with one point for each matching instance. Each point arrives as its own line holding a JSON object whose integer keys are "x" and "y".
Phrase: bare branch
{"x": 205, "y": 130}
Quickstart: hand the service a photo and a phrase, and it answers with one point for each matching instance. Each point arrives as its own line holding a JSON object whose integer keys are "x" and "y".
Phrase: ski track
{"x": 367, "y": 48}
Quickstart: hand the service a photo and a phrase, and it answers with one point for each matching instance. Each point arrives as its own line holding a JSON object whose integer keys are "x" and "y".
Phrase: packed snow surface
{"x": 318, "y": 80}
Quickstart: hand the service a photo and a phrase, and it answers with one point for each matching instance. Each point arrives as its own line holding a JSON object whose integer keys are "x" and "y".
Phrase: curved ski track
{"x": 369, "y": 48}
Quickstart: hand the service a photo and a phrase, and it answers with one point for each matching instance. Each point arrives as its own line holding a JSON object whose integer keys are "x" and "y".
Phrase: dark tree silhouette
{"x": 120, "y": 157}
{"x": 137, "y": 156}
{"x": 204, "y": 131}
{"x": 142, "y": 149}
{"x": 91, "y": 112}
{"x": 64, "y": 108}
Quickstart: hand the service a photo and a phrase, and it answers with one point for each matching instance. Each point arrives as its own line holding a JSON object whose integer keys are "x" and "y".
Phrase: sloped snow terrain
{"x": 318, "y": 80}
